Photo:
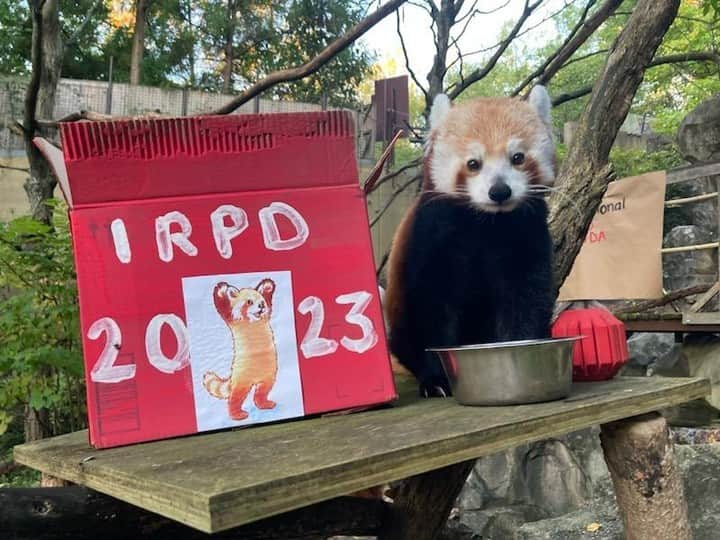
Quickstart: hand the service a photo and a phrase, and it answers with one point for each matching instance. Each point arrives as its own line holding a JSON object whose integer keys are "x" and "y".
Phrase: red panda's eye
{"x": 249, "y": 302}
{"x": 473, "y": 164}
{"x": 518, "y": 158}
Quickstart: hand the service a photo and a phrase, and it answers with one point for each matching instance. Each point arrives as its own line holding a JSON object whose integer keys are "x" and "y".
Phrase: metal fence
{"x": 120, "y": 99}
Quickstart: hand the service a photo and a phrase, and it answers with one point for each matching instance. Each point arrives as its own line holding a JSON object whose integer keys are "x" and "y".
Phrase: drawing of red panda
{"x": 246, "y": 312}
{"x": 471, "y": 260}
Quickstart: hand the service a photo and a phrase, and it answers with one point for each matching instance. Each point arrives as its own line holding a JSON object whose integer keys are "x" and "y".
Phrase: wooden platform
{"x": 221, "y": 480}
{"x": 671, "y": 322}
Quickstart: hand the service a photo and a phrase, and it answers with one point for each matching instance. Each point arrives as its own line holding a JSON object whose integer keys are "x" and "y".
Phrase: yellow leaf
{"x": 593, "y": 527}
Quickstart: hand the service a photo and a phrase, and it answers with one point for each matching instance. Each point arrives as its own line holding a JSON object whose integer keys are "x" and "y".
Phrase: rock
{"x": 699, "y": 133}
{"x": 703, "y": 360}
{"x": 500, "y": 522}
{"x": 498, "y": 473}
{"x": 688, "y": 268}
{"x": 699, "y": 465}
{"x": 702, "y": 214}
{"x": 474, "y": 495}
{"x": 695, "y": 413}
{"x": 695, "y": 435}
{"x": 595, "y": 523}
{"x": 554, "y": 478}
{"x": 647, "y": 348}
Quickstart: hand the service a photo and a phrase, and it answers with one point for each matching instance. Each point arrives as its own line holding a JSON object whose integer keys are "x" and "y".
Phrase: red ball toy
{"x": 602, "y": 351}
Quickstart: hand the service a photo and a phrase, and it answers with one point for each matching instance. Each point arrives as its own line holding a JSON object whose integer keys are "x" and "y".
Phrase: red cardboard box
{"x": 225, "y": 272}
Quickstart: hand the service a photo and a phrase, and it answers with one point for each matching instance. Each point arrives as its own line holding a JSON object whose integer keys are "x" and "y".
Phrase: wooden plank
{"x": 667, "y": 325}
{"x": 672, "y": 203}
{"x": 691, "y": 172}
{"x": 709, "y": 318}
{"x": 705, "y": 298}
{"x": 221, "y": 480}
{"x": 76, "y": 512}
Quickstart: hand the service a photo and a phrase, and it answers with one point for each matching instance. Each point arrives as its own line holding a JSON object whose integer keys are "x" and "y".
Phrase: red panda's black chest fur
{"x": 467, "y": 276}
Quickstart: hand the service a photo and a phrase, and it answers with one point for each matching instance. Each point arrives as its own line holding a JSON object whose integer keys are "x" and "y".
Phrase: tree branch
{"x": 407, "y": 58}
{"x": 11, "y": 168}
{"x": 327, "y": 54}
{"x": 390, "y": 176}
{"x": 72, "y": 39}
{"x": 585, "y": 172}
{"x": 479, "y": 74}
{"x": 31, "y": 94}
{"x": 580, "y": 33}
{"x": 521, "y": 33}
{"x": 696, "y": 56}
{"x": 392, "y": 197}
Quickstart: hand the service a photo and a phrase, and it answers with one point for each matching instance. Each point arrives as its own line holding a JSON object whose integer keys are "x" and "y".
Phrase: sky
{"x": 484, "y": 31}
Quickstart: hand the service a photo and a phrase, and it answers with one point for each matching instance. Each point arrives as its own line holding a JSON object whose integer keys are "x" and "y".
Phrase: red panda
{"x": 471, "y": 260}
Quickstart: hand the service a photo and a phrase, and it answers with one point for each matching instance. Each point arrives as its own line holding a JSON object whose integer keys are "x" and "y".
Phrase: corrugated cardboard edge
{"x": 55, "y": 159}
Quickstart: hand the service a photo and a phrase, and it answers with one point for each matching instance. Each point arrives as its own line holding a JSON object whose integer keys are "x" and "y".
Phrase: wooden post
{"x": 423, "y": 503}
{"x": 648, "y": 485}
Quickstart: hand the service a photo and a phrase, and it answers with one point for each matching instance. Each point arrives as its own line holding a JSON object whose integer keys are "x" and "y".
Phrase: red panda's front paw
{"x": 434, "y": 387}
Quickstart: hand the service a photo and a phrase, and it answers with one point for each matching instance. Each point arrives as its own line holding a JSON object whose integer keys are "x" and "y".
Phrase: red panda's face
{"x": 244, "y": 304}
{"x": 492, "y": 150}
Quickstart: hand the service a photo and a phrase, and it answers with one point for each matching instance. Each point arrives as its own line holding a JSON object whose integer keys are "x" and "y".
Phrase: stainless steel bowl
{"x": 511, "y": 372}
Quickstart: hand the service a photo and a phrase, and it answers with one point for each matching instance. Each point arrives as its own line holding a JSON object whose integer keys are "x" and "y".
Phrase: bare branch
{"x": 392, "y": 198}
{"x": 479, "y": 74}
{"x": 383, "y": 263}
{"x": 72, "y": 39}
{"x": 523, "y": 32}
{"x": 390, "y": 176}
{"x": 697, "y": 56}
{"x": 584, "y": 57}
{"x": 407, "y": 58}
{"x": 10, "y": 167}
{"x": 570, "y": 96}
{"x": 580, "y": 33}
{"x": 327, "y": 54}
{"x": 637, "y": 307}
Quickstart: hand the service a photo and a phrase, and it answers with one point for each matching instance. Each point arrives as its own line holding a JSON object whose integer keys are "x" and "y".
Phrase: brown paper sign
{"x": 621, "y": 255}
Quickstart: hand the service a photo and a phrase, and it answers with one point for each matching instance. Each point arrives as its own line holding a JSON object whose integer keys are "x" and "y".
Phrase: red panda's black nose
{"x": 500, "y": 192}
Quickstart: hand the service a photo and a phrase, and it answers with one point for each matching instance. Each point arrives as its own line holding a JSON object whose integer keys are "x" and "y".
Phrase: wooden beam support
{"x": 687, "y": 200}
{"x": 648, "y": 485}
{"x": 423, "y": 503}
{"x": 698, "y": 247}
{"x": 77, "y": 513}
{"x": 691, "y": 172}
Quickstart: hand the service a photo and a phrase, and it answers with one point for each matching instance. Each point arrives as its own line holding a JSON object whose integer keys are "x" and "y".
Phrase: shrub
{"x": 40, "y": 352}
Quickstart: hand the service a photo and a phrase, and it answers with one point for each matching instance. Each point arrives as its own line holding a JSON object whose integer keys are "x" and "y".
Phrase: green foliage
{"x": 16, "y": 35}
{"x": 185, "y": 43}
{"x": 309, "y": 27}
{"x": 630, "y": 162}
{"x": 40, "y": 359}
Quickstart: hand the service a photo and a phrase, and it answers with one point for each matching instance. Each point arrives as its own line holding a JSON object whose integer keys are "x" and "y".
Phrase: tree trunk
{"x": 648, "y": 486}
{"x": 423, "y": 503}
{"x": 585, "y": 173}
{"x": 229, "y": 50}
{"x": 138, "y": 45}
{"x": 445, "y": 19}
{"x": 46, "y": 59}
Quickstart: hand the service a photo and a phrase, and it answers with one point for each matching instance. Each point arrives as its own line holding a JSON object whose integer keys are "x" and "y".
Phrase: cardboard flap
{"x": 54, "y": 157}
{"x": 154, "y": 158}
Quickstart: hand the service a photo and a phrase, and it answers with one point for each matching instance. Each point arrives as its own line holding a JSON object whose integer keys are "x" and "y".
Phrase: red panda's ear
{"x": 222, "y": 301}
{"x": 438, "y": 112}
{"x": 266, "y": 287}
